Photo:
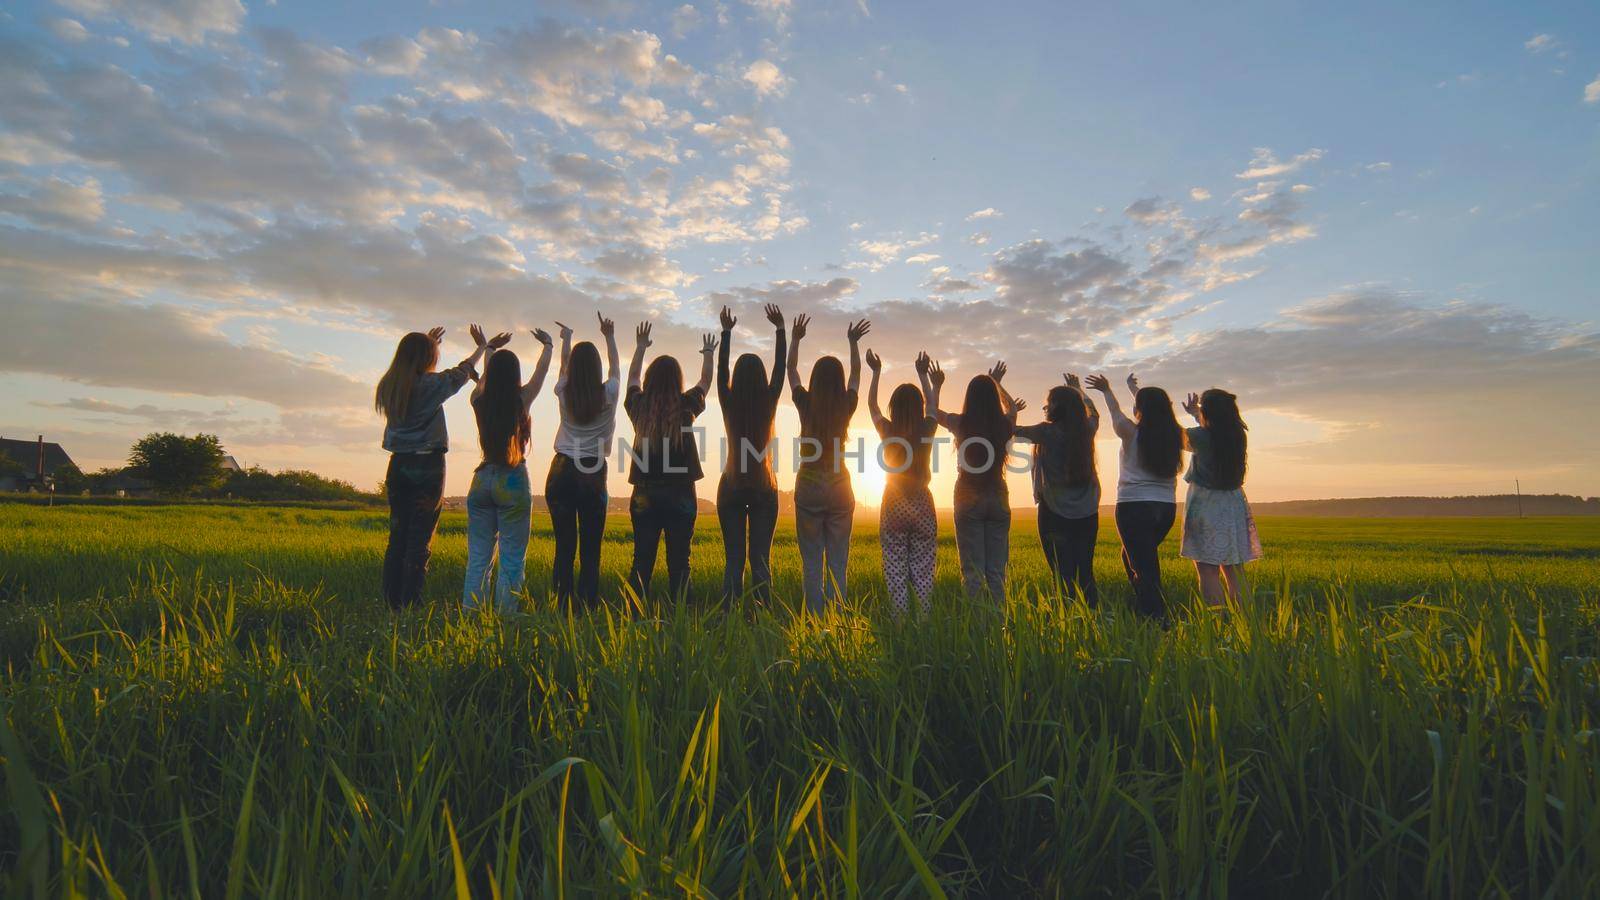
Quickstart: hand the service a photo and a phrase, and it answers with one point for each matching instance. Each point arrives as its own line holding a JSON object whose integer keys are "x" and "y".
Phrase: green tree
{"x": 69, "y": 479}
{"x": 177, "y": 465}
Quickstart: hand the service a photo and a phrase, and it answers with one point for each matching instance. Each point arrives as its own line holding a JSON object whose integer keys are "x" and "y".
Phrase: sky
{"x": 1376, "y": 223}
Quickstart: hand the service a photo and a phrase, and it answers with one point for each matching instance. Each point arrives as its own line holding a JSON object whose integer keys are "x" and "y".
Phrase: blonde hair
{"x": 416, "y": 355}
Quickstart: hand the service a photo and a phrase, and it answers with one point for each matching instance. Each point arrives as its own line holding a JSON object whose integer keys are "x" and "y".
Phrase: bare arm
{"x": 930, "y": 396}
{"x": 779, "y": 349}
{"x": 481, "y": 345}
{"x": 876, "y": 365}
{"x": 641, "y": 342}
{"x": 1119, "y": 422}
{"x": 935, "y": 384}
{"x": 708, "y": 349}
{"x": 608, "y": 329}
{"x": 566, "y": 350}
{"x": 540, "y": 369}
{"x": 724, "y": 389}
{"x": 799, "y": 331}
{"x": 855, "y": 333}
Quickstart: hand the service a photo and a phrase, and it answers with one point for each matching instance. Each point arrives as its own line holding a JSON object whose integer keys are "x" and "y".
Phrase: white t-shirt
{"x": 592, "y": 439}
{"x": 1134, "y": 482}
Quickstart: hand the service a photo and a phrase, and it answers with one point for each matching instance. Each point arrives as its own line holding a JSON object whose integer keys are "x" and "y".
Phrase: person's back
{"x": 575, "y": 488}
{"x": 747, "y": 494}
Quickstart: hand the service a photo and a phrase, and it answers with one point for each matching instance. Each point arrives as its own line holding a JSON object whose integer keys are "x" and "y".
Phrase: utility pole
{"x": 1519, "y": 497}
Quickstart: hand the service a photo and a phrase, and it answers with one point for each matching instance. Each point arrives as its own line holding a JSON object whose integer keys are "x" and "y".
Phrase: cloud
{"x": 685, "y": 19}
{"x": 1265, "y": 164}
{"x": 1390, "y": 376}
{"x": 1539, "y": 43}
{"x": 1153, "y": 211}
{"x": 987, "y": 212}
{"x": 798, "y": 294}
{"x": 921, "y": 259}
{"x": 766, "y": 78}
{"x": 69, "y": 30}
{"x": 54, "y": 202}
{"x": 1199, "y": 194}
{"x": 161, "y": 348}
{"x": 1591, "y": 91}
{"x": 182, "y": 21}
{"x": 1379, "y": 166}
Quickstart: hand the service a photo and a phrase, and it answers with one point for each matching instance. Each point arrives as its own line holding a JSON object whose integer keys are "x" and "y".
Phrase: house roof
{"x": 26, "y": 454}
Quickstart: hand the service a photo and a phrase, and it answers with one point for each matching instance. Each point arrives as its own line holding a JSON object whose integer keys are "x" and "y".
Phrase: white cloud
{"x": 183, "y": 21}
{"x": 1199, "y": 194}
{"x": 56, "y": 202}
{"x": 987, "y": 212}
{"x": 1539, "y": 43}
{"x": 1265, "y": 164}
{"x": 766, "y": 78}
{"x": 1591, "y": 91}
{"x": 685, "y": 19}
{"x": 921, "y": 259}
{"x": 69, "y": 30}
{"x": 1379, "y": 166}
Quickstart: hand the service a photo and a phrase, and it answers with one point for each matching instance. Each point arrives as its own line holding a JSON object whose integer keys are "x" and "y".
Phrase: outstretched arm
{"x": 1119, "y": 422}
{"x": 482, "y": 346}
{"x": 708, "y": 348}
{"x": 930, "y": 396}
{"x": 779, "y": 349}
{"x": 724, "y": 389}
{"x": 855, "y": 333}
{"x": 1072, "y": 381}
{"x": 1008, "y": 404}
{"x": 876, "y": 365}
{"x": 536, "y": 381}
{"x": 641, "y": 336}
{"x": 566, "y": 350}
{"x": 935, "y": 385}
{"x": 799, "y": 332}
{"x": 608, "y": 329}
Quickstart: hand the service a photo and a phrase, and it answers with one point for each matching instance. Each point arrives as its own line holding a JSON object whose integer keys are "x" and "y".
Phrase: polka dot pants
{"x": 909, "y": 533}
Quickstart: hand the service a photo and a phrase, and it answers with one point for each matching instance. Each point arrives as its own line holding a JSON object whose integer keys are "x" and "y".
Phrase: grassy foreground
{"x": 208, "y": 701}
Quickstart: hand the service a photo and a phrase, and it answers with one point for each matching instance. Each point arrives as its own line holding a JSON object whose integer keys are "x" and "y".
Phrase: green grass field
{"x": 210, "y": 701}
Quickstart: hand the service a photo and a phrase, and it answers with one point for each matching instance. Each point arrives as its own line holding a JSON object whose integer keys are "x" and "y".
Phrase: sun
{"x": 867, "y": 477}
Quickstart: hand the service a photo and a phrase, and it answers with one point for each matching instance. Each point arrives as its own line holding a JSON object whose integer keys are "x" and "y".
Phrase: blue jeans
{"x": 498, "y": 506}
{"x": 824, "y": 510}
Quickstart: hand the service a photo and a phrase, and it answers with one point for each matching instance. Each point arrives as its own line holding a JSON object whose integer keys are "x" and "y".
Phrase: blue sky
{"x": 1374, "y": 222}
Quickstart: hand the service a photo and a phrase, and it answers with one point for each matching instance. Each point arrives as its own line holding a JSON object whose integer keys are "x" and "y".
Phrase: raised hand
{"x": 542, "y": 336}
{"x": 858, "y": 330}
{"x": 1133, "y": 382}
{"x": 1099, "y": 383}
{"x": 1018, "y": 404}
{"x": 800, "y": 323}
{"x": 774, "y": 314}
{"x": 641, "y": 335}
{"x": 708, "y": 344}
{"x": 1071, "y": 380}
{"x": 873, "y": 362}
{"x": 1192, "y": 405}
{"x": 922, "y": 362}
{"x": 607, "y": 327}
{"x": 476, "y": 332}
{"x": 436, "y": 333}
{"x": 566, "y": 330}
{"x": 499, "y": 340}
{"x": 728, "y": 319}
{"x": 998, "y": 373}
{"x": 935, "y": 374}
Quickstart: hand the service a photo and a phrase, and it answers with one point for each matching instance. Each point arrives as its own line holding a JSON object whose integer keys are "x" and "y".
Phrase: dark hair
{"x": 660, "y": 420}
{"x": 748, "y": 412}
{"x": 583, "y": 394}
{"x": 1065, "y": 408}
{"x": 1228, "y": 439}
{"x": 829, "y": 415}
{"x": 906, "y": 413}
{"x": 503, "y": 424}
{"x": 1159, "y": 437}
{"x": 983, "y": 420}
{"x": 415, "y": 354}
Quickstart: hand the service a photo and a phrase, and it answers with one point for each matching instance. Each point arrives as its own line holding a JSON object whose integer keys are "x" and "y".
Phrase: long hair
{"x": 1160, "y": 438}
{"x": 983, "y": 421}
{"x": 502, "y": 422}
{"x": 661, "y": 422}
{"x": 416, "y": 354}
{"x": 1220, "y": 410}
{"x": 1064, "y": 408}
{"x": 748, "y": 413}
{"x": 906, "y": 412}
{"x": 830, "y": 417}
{"x": 584, "y": 393}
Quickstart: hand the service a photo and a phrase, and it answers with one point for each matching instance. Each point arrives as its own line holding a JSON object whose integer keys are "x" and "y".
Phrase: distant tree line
{"x": 184, "y": 466}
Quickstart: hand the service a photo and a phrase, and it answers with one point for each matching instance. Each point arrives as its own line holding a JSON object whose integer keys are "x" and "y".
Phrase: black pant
{"x": 748, "y": 516}
{"x": 658, "y": 511}
{"x": 576, "y": 495}
{"x": 1069, "y": 549}
{"x": 415, "y": 485}
{"x": 1143, "y": 525}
